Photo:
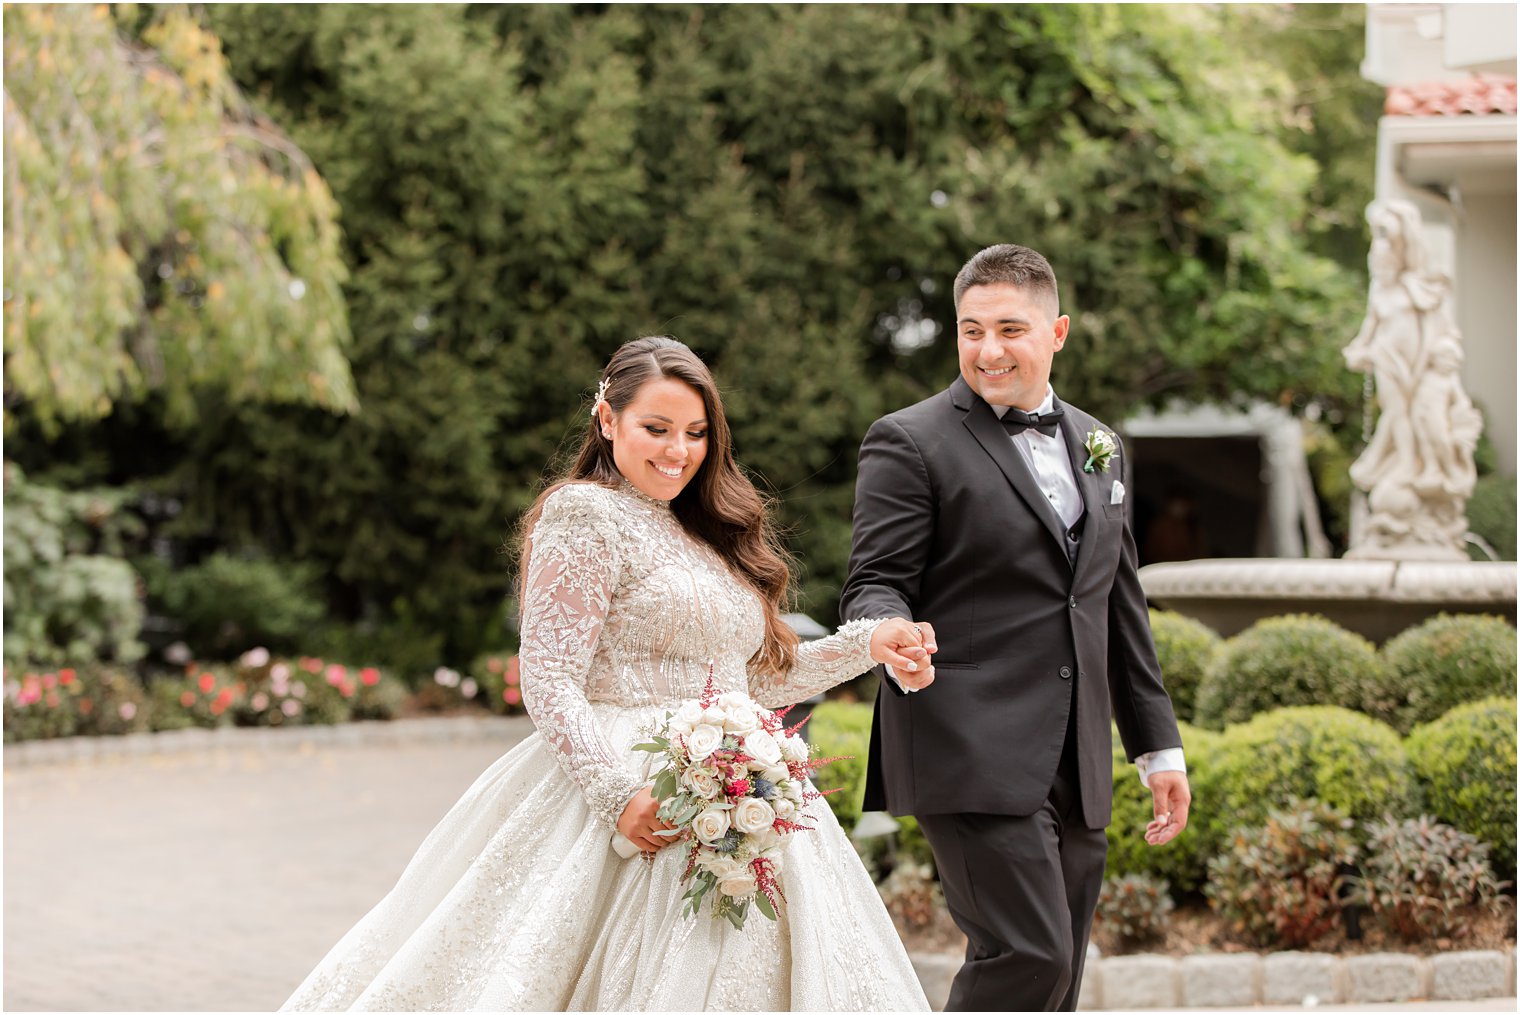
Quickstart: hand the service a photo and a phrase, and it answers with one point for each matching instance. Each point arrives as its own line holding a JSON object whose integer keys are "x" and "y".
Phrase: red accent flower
{"x": 511, "y": 696}
{"x": 369, "y": 676}
{"x": 346, "y": 689}
{"x": 187, "y": 699}
{"x": 738, "y": 788}
{"x": 311, "y": 665}
{"x": 225, "y": 698}
{"x": 206, "y": 683}
{"x": 65, "y": 677}
{"x": 493, "y": 664}
{"x": 335, "y": 674}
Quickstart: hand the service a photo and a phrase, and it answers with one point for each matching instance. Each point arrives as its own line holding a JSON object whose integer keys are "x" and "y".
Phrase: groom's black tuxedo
{"x": 1042, "y": 631}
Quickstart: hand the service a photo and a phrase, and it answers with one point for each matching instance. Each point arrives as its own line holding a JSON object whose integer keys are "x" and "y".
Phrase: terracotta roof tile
{"x": 1480, "y": 95}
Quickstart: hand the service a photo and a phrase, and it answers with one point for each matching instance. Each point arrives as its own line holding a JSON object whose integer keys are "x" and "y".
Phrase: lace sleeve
{"x": 572, "y": 569}
{"x": 820, "y": 665}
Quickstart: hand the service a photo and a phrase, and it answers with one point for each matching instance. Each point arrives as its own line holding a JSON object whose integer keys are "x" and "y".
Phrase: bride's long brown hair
{"x": 720, "y": 505}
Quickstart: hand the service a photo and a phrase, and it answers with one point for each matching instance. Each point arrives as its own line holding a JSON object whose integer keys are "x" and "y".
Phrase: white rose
{"x": 761, "y": 746}
{"x": 776, "y": 775}
{"x": 735, "y": 701}
{"x": 690, "y": 713}
{"x": 741, "y": 720}
{"x": 752, "y": 814}
{"x": 711, "y": 825}
{"x": 703, "y": 741}
{"x": 793, "y": 792}
{"x": 721, "y": 866}
{"x": 766, "y": 839}
{"x": 784, "y": 809}
{"x": 703, "y": 782}
{"x": 738, "y": 886}
{"x": 794, "y": 749}
{"x": 714, "y": 715}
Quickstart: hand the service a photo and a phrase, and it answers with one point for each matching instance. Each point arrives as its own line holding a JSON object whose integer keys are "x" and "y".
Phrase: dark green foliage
{"x": 1183, "y": 861}
{"x": 1449, "y": 660}
{"x": 1138, "y": 908}
{"x": 1420, "y": 877}
{"x": 69, "y": 598}
{"x": 1281, "y": 884}
{"x": 1293, "y": 660}
{"x": 228, "y": 604}
{"x": 1184, "y": 648}
{"x": 1328, "y": 753}
{"x": 1465, "y": 762}
{"x": 1491, "y": 514}
{"x": 789, "y": 189}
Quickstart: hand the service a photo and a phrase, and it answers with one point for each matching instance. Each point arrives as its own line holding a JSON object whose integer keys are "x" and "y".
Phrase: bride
{"x": 651, "y": 564}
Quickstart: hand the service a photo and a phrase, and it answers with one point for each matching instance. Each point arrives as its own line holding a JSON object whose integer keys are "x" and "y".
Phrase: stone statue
{"x": 1417, "y": 470}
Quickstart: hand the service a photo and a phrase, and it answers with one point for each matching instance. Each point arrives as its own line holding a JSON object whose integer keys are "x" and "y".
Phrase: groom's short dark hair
{"x": 1011, "y": 264}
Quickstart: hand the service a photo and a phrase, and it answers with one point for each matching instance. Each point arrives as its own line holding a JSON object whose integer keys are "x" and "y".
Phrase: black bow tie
{"x": 1016, "y": 421}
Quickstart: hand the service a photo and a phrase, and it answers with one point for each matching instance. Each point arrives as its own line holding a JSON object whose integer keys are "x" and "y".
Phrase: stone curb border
{"x": 396, "y": 732}
{"x": 1126, "y": 982}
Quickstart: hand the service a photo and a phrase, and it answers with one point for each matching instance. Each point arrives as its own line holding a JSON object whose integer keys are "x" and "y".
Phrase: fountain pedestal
{"x": 1375, "y": 598}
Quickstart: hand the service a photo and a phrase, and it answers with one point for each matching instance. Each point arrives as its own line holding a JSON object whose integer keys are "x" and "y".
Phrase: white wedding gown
{"x": 516, "y": 901}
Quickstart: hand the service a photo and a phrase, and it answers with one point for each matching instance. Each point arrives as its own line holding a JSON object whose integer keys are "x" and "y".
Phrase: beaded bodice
{"x": 622, "y": 608}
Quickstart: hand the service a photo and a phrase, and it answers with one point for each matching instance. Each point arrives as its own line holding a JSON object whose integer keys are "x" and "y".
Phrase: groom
{"x": 991, "y": 515}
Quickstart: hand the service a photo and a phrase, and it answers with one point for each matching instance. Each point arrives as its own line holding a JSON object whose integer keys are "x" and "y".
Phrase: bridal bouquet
{"x": 735, "y": 781}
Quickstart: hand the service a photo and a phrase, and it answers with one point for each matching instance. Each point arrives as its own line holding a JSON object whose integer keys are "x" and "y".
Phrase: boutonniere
{"x": 1102, "y": 448}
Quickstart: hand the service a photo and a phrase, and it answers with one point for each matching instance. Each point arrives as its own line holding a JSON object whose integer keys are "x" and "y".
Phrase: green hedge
{"x": 1298, "y": 659}
{"x": 1185, "y": 648}
{"x": 1465, "y": 763}
{"x": 1447, "y": 661}
{"x": 1183, "y": 861}
{"x": 1325, "y": 752}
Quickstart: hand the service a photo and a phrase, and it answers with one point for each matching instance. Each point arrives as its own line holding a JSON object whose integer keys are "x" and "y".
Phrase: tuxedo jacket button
{"x": 1073, "y": 602}
{"x": 1065, "y": 672}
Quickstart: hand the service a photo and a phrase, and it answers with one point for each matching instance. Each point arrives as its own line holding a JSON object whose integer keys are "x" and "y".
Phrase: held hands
{"x": 1171, "y": 796}
{"x": 906, "y": 647}
{"x": 639, "y": 824}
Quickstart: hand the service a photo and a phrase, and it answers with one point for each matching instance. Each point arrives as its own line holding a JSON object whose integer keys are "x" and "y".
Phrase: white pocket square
{"x": 1117, "y": 497}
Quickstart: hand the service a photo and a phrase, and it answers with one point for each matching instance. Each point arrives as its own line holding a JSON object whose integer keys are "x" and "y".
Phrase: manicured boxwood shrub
{"x": 1447, "y": 661}
{"x": 1324, "y": 752}
{"x": 1184, "y": 647}
{"x": 1465, "y": 764}
{"x": 1183, "y": 861}
{"x": 1299, "y": 659}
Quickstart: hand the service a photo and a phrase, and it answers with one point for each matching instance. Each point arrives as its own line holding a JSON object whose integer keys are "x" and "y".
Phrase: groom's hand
{"x": 1170, "y": 798}
{"x": 906, "y": 647}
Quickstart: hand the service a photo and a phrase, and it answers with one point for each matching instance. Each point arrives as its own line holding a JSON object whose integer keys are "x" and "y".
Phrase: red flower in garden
{"x": 369, "y": 676}
{"x": 512, "y": 666}
{"x": 346, "y": 689}
{"x": 66, "y": 677}
{"x": 335, "y": 674}
{"x": 493, "y": 664}
{"x": 48, "y": 680}
{"x": 206, "y": 683}
{"x": 52, "y": 699}
{"x": 311, "y": 665}
{"x": 511, "y": 696}
{"x": 187, "y": 699}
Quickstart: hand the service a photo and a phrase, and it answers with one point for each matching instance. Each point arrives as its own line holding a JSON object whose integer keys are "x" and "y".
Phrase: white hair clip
{"x": 601, "y": 396}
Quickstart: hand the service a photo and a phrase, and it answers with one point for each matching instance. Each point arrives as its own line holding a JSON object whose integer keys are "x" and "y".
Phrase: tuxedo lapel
{"x": 1090, "y": 485}
{"x": 989, "y": 433}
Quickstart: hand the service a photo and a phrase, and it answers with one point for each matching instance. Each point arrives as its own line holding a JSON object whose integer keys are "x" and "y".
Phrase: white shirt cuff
{"x": 893, "y": 674}
{"x": 1168, "y": 760}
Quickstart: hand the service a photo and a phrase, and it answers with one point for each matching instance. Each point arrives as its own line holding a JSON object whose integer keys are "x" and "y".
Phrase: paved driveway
{"x": 210, "y": 881}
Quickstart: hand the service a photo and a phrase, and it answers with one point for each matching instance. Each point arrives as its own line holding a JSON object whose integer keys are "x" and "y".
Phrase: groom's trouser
{"x": 1023, "y": 890}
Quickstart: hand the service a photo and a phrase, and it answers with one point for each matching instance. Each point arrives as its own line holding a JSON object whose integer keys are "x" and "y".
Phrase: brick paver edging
{"x": 1127, "y": 982}
{"x": 443, "y": 729}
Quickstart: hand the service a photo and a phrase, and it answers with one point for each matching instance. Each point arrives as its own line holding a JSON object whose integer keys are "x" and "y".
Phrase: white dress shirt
{"x": 1048, "y": 460}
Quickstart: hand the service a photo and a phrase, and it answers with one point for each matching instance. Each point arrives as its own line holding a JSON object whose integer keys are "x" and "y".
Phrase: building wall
{"x": 1485, "y": 284}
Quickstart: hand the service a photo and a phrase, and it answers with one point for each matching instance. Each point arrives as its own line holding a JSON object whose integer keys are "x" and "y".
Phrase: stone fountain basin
{"x": 1375, "y": 598}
